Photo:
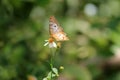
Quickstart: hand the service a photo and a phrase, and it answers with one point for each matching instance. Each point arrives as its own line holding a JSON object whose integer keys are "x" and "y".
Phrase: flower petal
{"x": 52, "y": 45}
{"x": 46, "y": 43}
{"x": 46, "y": 40}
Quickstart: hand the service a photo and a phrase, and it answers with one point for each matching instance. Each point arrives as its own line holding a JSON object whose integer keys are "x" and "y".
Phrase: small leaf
{"x": 45, "y": 79}
{"x": 55, "y": 71}
{"x": 50, "y": 74}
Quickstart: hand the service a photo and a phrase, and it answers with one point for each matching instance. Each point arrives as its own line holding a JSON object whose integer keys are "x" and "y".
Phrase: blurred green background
{"x": 92, "y": 53}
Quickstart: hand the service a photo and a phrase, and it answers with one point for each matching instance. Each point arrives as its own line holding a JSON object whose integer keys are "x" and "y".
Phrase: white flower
{"x": 50, "y": 42}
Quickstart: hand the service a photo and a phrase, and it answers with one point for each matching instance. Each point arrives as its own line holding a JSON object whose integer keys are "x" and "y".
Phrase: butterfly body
{"x": 56, "y": 31}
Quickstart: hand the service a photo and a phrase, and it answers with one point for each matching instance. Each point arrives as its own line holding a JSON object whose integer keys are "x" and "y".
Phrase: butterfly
{"x": 56, "y": 31}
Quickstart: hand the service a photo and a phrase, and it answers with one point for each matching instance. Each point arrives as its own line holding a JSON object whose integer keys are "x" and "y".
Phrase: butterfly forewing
{"x": 56, "y": 31}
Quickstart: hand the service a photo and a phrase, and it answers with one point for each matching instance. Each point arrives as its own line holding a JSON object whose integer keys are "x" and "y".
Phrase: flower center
{"x": 51, "y": 40}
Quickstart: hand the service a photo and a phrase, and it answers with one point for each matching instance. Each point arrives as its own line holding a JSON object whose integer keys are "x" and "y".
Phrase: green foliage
{"x": 52, "y": 74}
{"x": 92, "y": 53}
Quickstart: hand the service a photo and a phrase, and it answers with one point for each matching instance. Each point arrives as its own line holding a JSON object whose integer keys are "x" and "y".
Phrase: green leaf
{"x": 55, "y": 71}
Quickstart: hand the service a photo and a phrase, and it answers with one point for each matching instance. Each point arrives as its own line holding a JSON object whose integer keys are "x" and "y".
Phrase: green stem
{"x": 51, "y": 62}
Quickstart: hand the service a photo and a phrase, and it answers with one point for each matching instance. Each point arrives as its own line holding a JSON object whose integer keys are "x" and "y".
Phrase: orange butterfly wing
{"x": 56, "y": 31}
